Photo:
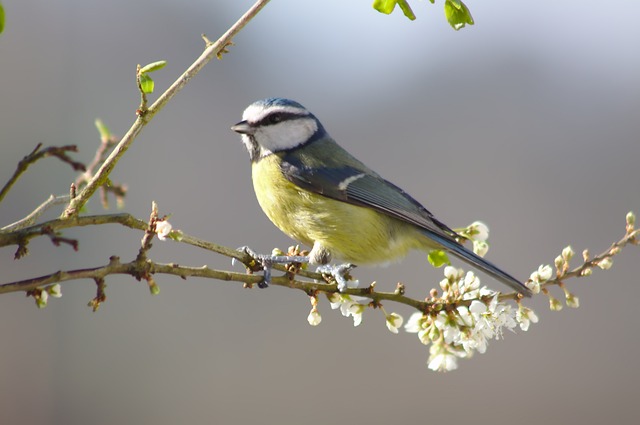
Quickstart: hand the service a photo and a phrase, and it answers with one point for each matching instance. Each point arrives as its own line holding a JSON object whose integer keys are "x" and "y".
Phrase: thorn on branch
{"x": 72, "y": 191}
{"x": 207, "y": 42}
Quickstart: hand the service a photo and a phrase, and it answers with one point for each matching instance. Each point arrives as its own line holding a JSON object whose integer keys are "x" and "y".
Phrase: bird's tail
{"x": 475, "y": 260}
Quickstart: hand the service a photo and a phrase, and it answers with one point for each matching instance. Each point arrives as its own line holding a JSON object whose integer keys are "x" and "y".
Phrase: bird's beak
{"x": 243, "y": 127}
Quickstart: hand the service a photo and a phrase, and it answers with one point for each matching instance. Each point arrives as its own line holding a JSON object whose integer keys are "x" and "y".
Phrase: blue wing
{"x": 358, "y": 185}
{"x": 364, "y": 188}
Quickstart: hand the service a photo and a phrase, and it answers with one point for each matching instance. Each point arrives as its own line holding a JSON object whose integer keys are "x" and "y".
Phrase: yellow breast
{"x": 349, "y": 232}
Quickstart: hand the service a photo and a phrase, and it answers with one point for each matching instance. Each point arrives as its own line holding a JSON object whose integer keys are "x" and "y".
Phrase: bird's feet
{"x": 339, "y": 273}
{"x": 267, "y": 261}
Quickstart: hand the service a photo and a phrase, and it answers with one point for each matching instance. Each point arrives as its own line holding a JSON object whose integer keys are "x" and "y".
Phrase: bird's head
{"x": 275, "y": 125}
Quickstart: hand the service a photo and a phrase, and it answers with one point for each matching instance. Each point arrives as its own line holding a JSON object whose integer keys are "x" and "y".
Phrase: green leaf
{"x": 387, "y": 6}
{"x": 146, "y": 83}
{"x": 438, "y": 258}
{"x": 105, "y": 134}
{"x": 152, "y": 67}
{"x": 406, "y": 9}
{"x": 457, "y": 14}
{"x": 1, "y": 18}
{"x": 384, "y": 6}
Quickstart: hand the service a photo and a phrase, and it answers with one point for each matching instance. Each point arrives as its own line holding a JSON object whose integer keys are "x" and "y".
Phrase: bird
{"x": 320, "y": 195}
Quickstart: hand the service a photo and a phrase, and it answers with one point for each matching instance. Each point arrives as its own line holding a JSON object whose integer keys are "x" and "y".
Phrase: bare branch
{"x": 23, "y": 236}
{"x": 211, "y": 50}
{"x": 59, "y": 152}
{"x": 51, "y": 201}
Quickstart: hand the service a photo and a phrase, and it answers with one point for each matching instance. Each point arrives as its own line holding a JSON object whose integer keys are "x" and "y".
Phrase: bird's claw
{"x": 267, "y": 262}
{"x": 338, "y": 272}
{"x": 263, "y": 262}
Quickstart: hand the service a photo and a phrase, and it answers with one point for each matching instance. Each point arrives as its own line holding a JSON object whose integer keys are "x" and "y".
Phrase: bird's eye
{"x": 275, "y": 118}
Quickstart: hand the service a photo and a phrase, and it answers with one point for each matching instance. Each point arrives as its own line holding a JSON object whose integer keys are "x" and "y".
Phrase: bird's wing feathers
{"x": 356, "y": 186}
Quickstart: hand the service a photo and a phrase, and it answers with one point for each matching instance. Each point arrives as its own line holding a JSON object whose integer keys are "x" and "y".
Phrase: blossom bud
{"x": 567, "y": 253}
{"x": 605, "y": 263}
{"x": 631, "y": 219}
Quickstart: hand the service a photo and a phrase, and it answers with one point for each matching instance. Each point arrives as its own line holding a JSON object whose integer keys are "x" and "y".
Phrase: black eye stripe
{"x": 277, "y": 117}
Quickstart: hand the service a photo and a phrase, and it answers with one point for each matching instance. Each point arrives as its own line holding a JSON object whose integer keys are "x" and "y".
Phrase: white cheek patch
{"x": 285, "y": 135}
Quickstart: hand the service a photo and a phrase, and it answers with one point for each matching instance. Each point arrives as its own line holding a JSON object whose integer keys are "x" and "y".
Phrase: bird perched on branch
{"x": 320, "y": 195}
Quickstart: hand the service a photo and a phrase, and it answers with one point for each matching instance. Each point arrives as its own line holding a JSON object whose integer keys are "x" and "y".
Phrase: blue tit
{"x": 320, "y": 195}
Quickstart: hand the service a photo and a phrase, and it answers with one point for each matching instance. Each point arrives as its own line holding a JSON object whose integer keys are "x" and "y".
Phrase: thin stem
{"x": 36, "y": 154}
{"x": 212, "y": 50}
{"x": 51, "y": 201}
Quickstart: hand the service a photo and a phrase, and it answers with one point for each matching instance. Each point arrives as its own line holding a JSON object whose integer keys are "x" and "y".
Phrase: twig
{"x": 23, "y": 236}
{"x": 211, "y": 50}
{"x": 632, "y": 237}
{"x": 59, "y": 152}
{"x": 31, "y": 218}
{"x": 107, "y": 141}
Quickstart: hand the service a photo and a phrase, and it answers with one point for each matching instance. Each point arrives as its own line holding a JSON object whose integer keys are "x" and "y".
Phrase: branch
{"x": 59, "y": 152}
{"x": 455, "y": 323}
{"x": 107, "y": 141}
{"x": 143, "y": 268}
{"x": 51, "y": 201}
{"x": 585, "y": 269}
{"x": 212, "y": 50}
{"x": 23, "y": 236}
{"x": 140, "y": 268}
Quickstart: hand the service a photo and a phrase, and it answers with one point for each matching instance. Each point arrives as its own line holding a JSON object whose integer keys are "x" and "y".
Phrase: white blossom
{"x": 314, "y": 317}
{"x": 55, "y": 291}
{"x": 470, "y": 286}
{"x": 554, "y": 304}
{"x": 480, "y": 248}
{"x": 525, "y": 316}
{"x": 605, "y": 263}
{"x": 394, "y": 321}
{"x": 572, "y": 301}
{"x": 453, "y": 274}
{"x": 163, "y": 228}
{"x": 542, "y": 275}
{"x": 414, "y": 324}
{"x": 443, "y": 361}
{"x": 443, "y": 358}
{"x": 466, "y": 329}
{"x": 41, "y": 299}
{"x": 349, "y": 306}
{"x": 478, "y": 231}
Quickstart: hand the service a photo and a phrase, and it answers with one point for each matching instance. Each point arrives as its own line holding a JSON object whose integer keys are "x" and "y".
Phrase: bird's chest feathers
{"x": 286, "y": 205}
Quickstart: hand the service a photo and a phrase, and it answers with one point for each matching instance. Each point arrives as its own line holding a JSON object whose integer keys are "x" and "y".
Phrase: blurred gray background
{"x": 528, "y": 120}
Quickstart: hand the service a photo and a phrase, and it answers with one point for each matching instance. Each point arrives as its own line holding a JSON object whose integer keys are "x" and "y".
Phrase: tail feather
{"x": 475, "y": 260}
